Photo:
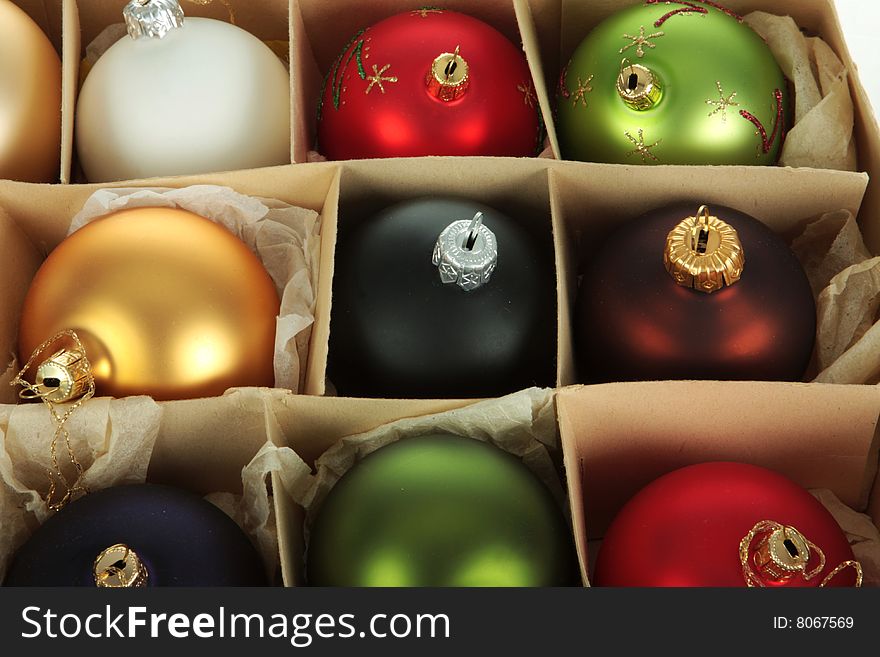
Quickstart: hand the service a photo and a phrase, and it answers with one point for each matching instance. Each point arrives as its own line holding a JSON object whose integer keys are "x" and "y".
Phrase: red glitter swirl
{"x": 690, "y": 8}
{"x": 563, "y": 90}
{"x": 778, "y": 129}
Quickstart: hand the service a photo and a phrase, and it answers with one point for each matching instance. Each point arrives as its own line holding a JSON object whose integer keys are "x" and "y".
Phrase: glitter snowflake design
{"x": 580, "y": 94}
{"x": 641, "y": 41}
{"x": 424, "y": 12}
{"x": 528, "y": 92}
{"x": 377, "y": 78}
{"x": 641, "y": 148}
{"x": 722, "y": 103}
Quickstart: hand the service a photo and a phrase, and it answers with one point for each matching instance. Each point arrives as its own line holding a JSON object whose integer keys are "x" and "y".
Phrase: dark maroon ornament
{"x": 676, "y": 294}
{"x": 441, "y": 297}
{"x": 139, "y": 535}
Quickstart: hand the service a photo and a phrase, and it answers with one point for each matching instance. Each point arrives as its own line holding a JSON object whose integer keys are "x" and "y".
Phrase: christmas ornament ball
{"x": 404, "y": 324}
{"x": 195, "y": 96}
{"x": 634, "y": 321}
{"x": 428, "y": 82}
{"x": 673, "y": 83}
{"x": 440, "y": 510}
{"x": 30, "y": 89}
{"x": 138, "y": 535}
{"x": 685, "y": 529}
{"x": 166, "y": 303}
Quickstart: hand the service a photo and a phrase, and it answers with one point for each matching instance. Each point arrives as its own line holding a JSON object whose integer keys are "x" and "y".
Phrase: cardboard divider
{"x": 517, "y": 187}
{"x": 320, "y": 30}
{"x": 590, "y": 200}
{"x": 36, "y": 219}
{"x": 617, "y": 438}
{"x": 268, "y": 20}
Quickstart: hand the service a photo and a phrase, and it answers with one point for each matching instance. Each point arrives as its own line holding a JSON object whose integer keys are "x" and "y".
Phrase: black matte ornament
{"x": 633, "y": 322}
{"x": 397, "y": 330}
{"x": 181, "y": 539}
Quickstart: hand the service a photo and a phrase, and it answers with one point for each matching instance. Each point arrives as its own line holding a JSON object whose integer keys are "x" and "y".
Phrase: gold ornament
{"x": 165, "y": 302}
{"x": 30, "y": 99}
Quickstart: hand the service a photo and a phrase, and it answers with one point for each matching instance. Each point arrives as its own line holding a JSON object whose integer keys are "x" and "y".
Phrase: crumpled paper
{"x": 863, "y": 536}
{"x": 113, "y": 439}
{"x": 846, "y": 281}
{"x": 284, "y": 237}
{"x": 523, "y": 424}
{"x": 253, "y": 510}
{"x": 822, "y": 136}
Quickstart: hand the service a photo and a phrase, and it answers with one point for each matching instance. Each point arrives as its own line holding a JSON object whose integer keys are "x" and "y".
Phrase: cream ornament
{"x": 181, "y": 97}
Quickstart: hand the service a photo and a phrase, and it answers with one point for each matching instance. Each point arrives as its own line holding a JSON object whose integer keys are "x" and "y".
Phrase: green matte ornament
{"x": 440, "y": 510}
{"x": 673, "y": 83}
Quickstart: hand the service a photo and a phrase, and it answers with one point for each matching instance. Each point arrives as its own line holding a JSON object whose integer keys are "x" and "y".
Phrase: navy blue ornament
{"x": 138, "y": 535}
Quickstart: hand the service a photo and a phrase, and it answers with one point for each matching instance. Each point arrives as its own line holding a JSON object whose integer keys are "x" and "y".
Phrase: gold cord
{"x": 766, "y": 527}
{"x": 31, "y": 391}
{"x": 225, "y": 3}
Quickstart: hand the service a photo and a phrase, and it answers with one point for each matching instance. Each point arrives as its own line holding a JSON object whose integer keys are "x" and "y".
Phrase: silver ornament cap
{"x": 152, "y": 19}
{"x": 466, "y": 253}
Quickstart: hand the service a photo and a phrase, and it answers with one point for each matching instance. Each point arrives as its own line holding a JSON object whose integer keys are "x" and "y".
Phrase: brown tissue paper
{"x": 846, "y": 281}
{"x": 822, "y": 136}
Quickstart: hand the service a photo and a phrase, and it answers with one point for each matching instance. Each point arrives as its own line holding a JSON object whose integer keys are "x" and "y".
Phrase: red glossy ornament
{"x": 685, "y": 529}
{"x": 428, "y": 82}
{"x": 635, "y": 322}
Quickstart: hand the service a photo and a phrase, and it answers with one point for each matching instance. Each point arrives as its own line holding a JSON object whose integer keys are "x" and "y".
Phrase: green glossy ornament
{"x": 440, "y": 510}
{"x": 673, "y": 83}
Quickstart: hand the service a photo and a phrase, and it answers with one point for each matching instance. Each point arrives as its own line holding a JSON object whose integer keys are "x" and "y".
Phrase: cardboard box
{"x": 617, "y": 438}
{"x": 579, "y": 203}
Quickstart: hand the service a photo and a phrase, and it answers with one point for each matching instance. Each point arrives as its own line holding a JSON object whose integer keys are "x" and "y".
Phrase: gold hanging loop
{"x": 772, "y": 551}
{"x": 78, "y": 386}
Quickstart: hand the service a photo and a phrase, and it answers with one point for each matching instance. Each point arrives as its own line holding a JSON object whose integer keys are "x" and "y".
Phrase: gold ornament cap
{"x": 704, "y": 253}
{"x": 61, "y": 378}
{"x": 781, "y": 554}
{"x": 639, "y": 87}
{"x": 119, "y": 567}
{"x": 448, "y": 77}
{"x": 152, "y": 19}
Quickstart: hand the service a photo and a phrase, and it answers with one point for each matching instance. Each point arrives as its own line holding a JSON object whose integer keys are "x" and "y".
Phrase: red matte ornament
{"x": 429, "y": 82}
{"x": 688, "y": 527}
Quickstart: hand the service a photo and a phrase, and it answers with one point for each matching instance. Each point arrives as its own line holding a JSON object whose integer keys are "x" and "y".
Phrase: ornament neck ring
{"x": 638, "y": 86}
{"x": 448, "y": 78}
{"x": 704, "y": 253}
{"x": 466, "y": 253}
{"x": 152, "y": 19}
{"x": 120, "y": 567}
